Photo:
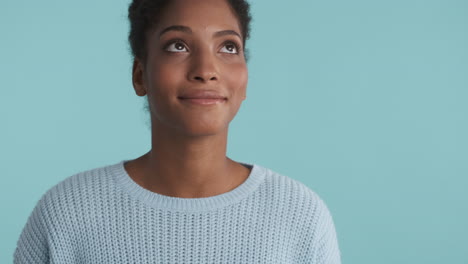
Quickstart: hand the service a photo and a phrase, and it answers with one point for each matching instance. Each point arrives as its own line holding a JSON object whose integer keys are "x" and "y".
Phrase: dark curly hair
{"x": 144, "y": 14}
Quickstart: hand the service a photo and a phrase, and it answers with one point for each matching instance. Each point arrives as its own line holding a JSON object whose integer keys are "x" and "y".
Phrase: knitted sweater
{"x": 103, "y": 216}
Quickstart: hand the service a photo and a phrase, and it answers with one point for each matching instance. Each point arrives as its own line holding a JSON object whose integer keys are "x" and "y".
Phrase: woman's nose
{"x": 203, "y": 68}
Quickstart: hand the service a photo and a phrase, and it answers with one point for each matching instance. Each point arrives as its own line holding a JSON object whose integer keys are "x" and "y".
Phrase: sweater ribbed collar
{"x": 156, "y": 200}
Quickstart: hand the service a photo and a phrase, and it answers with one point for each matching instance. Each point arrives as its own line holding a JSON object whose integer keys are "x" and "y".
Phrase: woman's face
{"x": 195, "y": 51}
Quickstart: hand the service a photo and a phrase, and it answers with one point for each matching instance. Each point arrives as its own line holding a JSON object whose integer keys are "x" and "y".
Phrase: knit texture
{"x": 103, "y": 216}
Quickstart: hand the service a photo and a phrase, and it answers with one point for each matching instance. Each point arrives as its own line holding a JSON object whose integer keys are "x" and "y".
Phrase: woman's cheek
{"x": 237, "y": 78}
{"x": 166, "y": 78}
{"x": 161, "y": 86}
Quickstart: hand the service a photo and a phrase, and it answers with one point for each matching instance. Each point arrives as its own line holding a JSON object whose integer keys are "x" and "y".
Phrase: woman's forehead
{"x": 199, "y": 15}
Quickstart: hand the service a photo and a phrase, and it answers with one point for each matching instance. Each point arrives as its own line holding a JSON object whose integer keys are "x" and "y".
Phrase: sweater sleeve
{"x": 32, "y": 245}
{"x": 326, "y": 249}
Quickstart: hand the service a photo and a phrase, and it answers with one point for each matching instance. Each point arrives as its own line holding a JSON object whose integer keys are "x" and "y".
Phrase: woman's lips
{"x": 203, "y": 101}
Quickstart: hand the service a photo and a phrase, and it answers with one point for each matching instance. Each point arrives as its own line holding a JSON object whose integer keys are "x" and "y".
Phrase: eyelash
{"x": 228, "y": 42}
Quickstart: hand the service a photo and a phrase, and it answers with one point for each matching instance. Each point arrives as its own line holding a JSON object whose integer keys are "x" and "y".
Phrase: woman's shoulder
{"x": 287, "y": 183}
{"x": 81, "y": 181}
{"x": 77, "y": 188}
{"x": 292, "y": 191}
{"x": 300, "y": 203}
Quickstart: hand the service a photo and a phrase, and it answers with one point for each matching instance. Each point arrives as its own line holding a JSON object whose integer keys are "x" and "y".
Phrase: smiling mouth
{"x": 203, "y": 101}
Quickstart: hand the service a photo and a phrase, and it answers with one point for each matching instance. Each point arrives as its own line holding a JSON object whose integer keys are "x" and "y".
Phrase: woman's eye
{"x": 230, "y": 48}
{"x": 179, "y": 46}
{"x": 176, "y": 47}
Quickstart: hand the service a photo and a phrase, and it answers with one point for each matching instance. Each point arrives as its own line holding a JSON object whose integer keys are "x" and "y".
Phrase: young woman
{"x": 183, "y": 201}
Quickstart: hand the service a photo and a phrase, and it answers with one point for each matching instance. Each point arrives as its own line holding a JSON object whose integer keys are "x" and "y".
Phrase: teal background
{"x": 363, "y": 101}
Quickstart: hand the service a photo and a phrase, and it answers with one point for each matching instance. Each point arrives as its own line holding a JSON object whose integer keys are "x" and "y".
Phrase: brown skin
{"x": 188, "y": 149}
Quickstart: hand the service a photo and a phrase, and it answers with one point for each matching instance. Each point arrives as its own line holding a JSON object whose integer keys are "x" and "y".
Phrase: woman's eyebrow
{"x": 187, "y": 30}
{"x": 226, "y": 32}
{"x": 181, "y": 28}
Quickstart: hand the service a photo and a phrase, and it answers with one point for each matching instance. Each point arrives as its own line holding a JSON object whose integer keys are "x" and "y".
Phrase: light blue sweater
{"x": 103, "y": 216}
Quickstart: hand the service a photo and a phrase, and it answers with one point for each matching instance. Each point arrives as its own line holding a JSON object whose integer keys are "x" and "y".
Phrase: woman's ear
{"x": 138, "y": 79}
